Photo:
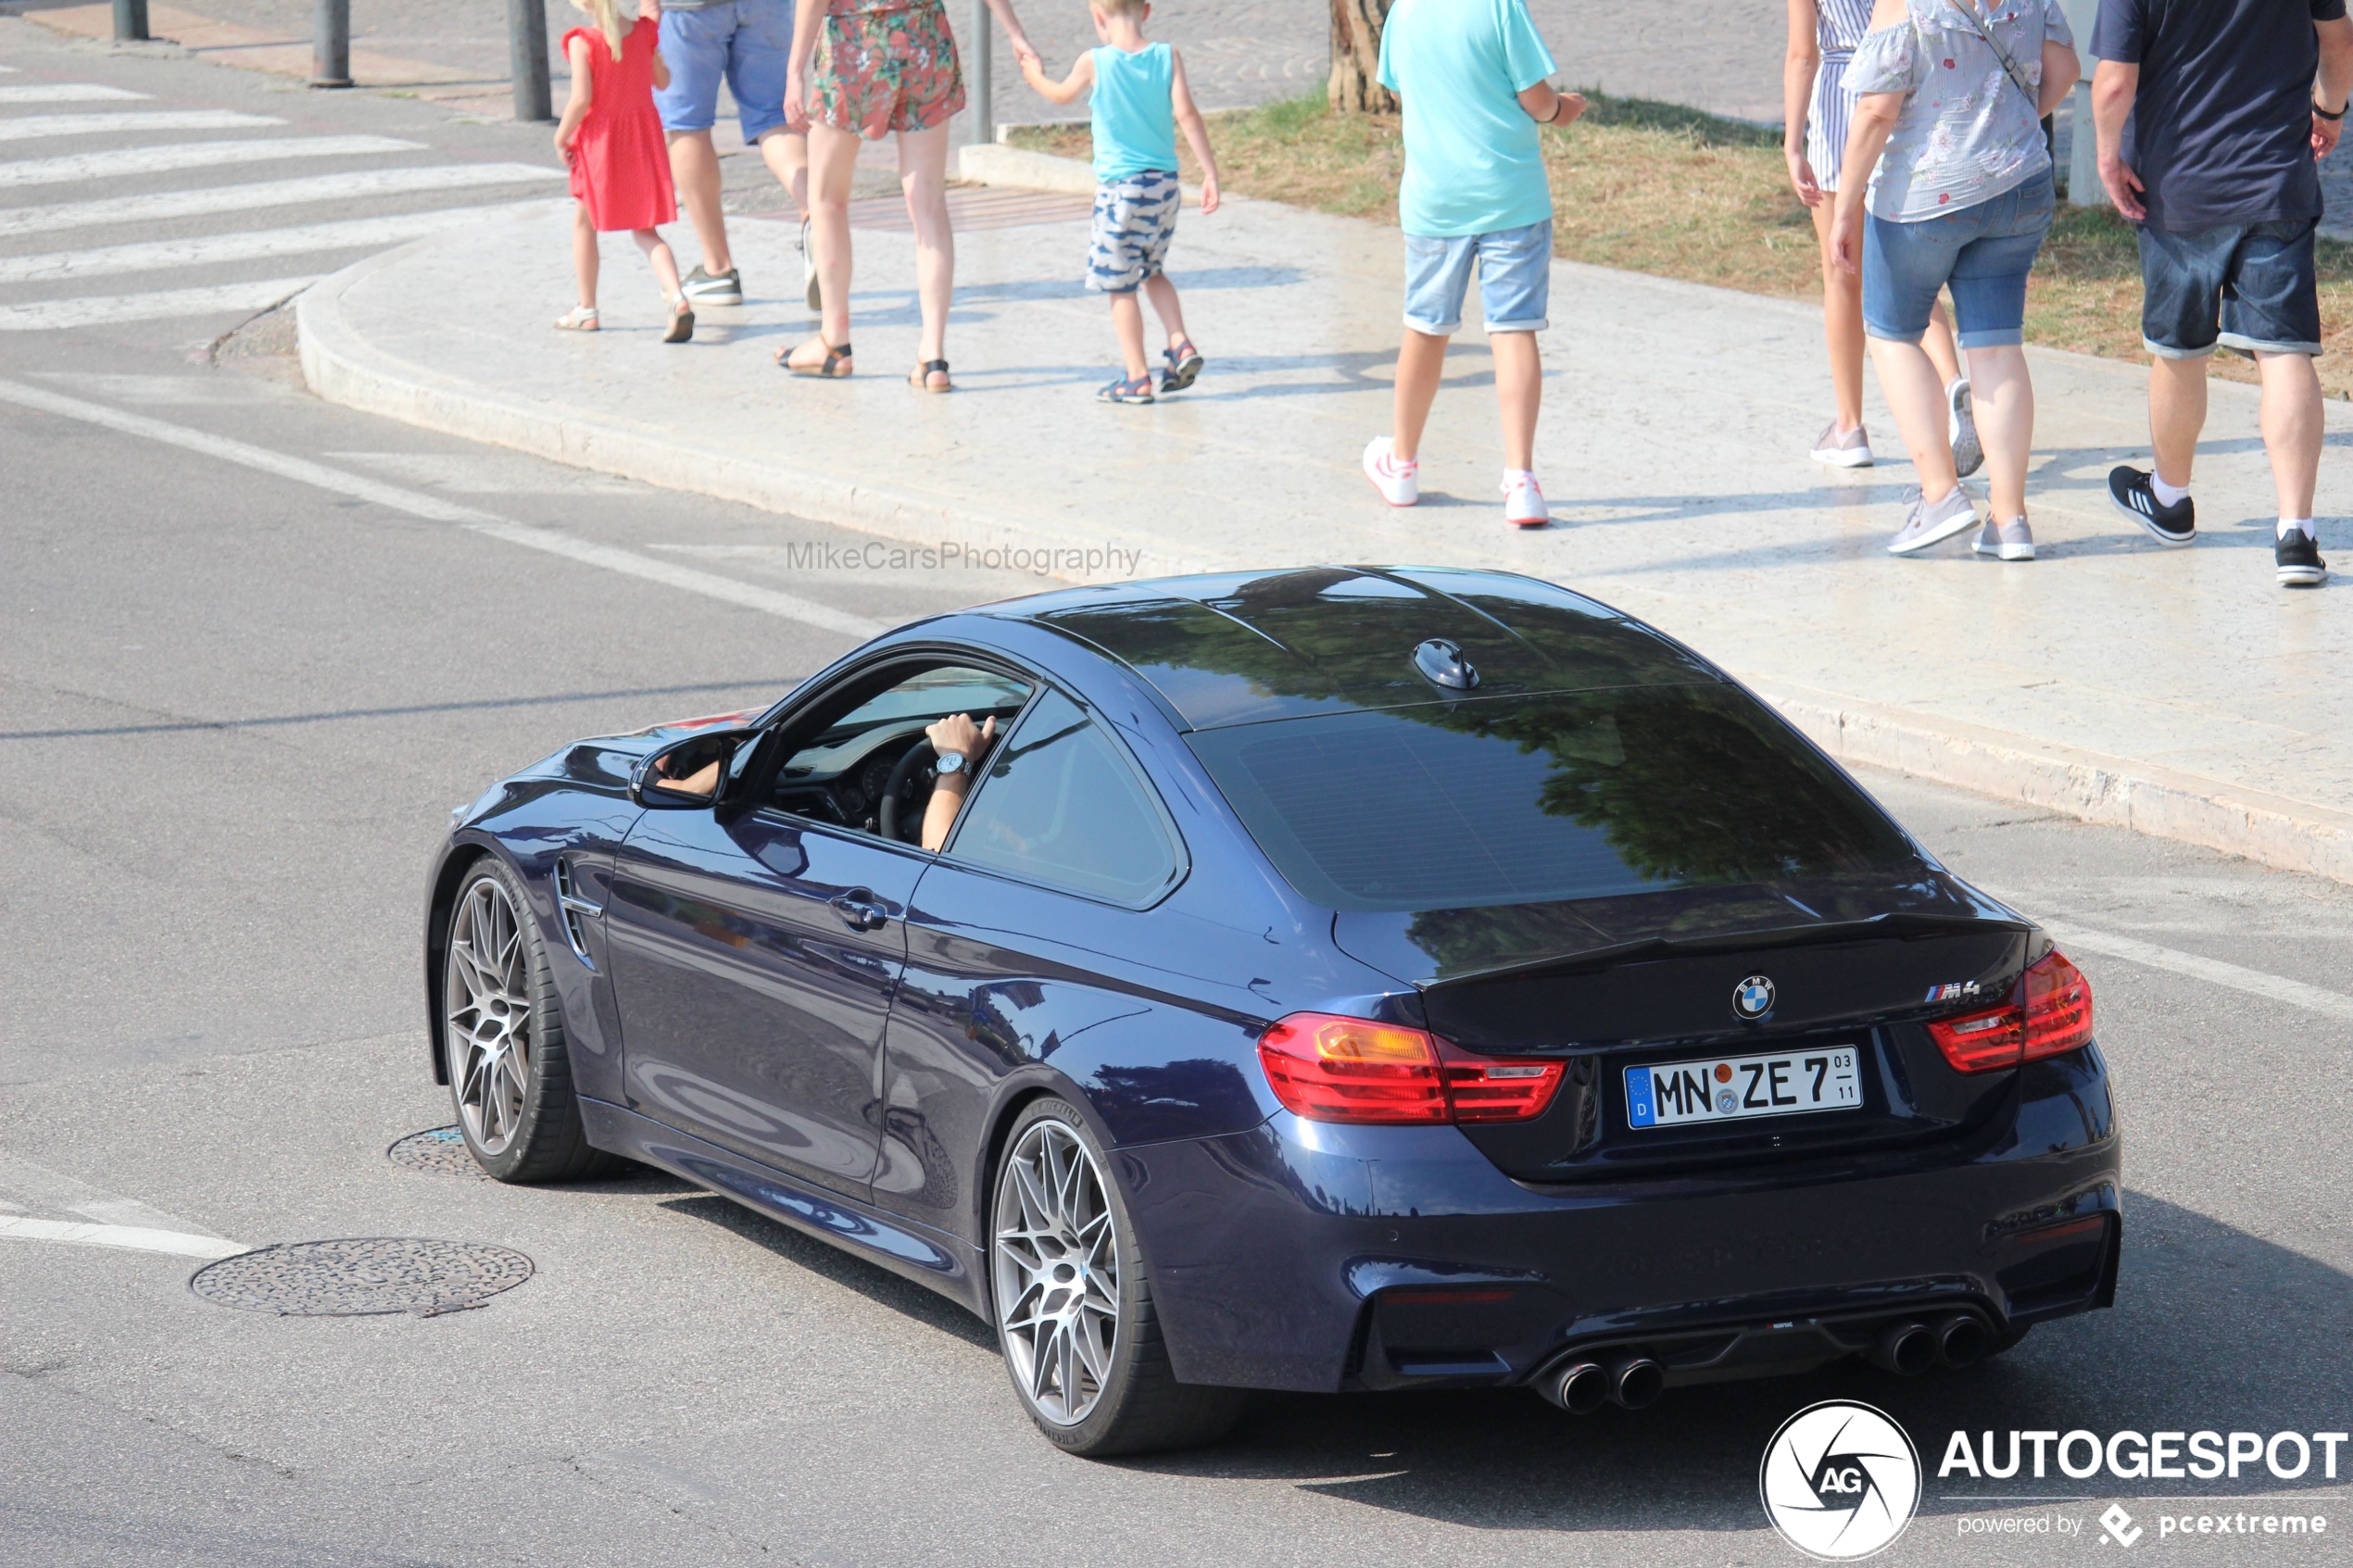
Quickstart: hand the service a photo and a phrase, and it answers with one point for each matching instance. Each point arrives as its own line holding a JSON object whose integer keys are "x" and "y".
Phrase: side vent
{"x": 577, "y": 911}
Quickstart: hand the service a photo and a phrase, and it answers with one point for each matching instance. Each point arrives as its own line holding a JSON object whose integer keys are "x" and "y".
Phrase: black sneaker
{"x": 2134, "y": 496}
{"x": 707, "y": 288}
{"x": 2300, "y": 559}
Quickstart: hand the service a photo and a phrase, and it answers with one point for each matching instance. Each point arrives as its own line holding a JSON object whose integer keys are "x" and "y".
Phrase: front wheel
{"x": 1074, "y": 1309}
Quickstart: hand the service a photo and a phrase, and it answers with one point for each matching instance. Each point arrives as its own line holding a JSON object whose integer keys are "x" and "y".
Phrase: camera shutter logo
{"x": 1753, "y": 997}
{"x": 1839, "y": 1480}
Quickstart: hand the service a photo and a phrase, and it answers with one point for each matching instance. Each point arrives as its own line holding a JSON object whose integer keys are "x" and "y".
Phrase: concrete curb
{"x": 343, "y": 367}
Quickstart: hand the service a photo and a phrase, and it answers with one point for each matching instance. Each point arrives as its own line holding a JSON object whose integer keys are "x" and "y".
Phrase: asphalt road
{"x": 253, "y": 648}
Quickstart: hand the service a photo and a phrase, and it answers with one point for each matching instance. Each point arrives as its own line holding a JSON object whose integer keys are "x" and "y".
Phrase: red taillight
{"x": 2051, "y": 1016}
{"x": 1331, "y": 1069}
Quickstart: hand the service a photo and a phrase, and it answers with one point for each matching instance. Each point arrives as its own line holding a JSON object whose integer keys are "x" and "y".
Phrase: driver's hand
{"x": 957, "y": 732}
{"x": 702, "y": 780}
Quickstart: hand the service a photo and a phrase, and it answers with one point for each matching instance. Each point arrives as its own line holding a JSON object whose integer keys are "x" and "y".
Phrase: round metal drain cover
{"x": 441, "y": 1151}
{"x": 361, "y": 1277}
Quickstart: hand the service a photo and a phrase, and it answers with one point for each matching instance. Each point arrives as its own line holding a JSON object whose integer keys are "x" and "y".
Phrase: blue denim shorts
{"x": 1984, "y": 251}
{"x": 1515, "y": 279}
{"x": 747, "y": 41}
{"x": 2249, "y": 286}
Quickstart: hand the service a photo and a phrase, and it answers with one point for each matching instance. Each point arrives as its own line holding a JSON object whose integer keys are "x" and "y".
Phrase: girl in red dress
{"x": 611, "y": 136}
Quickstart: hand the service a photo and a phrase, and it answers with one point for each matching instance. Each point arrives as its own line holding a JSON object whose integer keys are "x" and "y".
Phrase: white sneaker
{"x": 2010, "y": 541}
{"x": 1850, "y": 450}
{"x": 1524, "y": 501}
{"x": 1960, "y": 428}
{"x": 1397, "y": 478}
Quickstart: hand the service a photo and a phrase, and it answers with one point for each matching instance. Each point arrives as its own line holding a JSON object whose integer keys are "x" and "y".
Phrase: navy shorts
{"x": 1985, "y": 251}
{"x": 2249, "y": 286}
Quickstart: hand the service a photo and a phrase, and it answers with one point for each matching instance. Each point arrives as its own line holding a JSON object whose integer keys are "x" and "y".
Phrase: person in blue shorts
{"x": 747, "y": 43}
{"x": 1471, "y": 75}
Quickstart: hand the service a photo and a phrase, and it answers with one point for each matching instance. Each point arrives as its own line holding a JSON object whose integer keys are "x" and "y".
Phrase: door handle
{"x": 859, "y": 910}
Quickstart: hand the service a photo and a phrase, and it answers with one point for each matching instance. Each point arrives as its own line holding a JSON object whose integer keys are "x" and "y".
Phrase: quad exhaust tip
{"x": 1962, "y": 1340}
{"x": 1906, "y": 1348}
{"x": 1636, "y": 1382}
{"x": 1581, "y": 1387}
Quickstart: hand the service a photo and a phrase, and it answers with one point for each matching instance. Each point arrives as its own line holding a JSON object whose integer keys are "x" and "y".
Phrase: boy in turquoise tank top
{"x": 1140, "y": 101}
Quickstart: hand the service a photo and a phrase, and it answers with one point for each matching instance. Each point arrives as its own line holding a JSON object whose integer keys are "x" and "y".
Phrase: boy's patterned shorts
{"x": 1134, "y": 219}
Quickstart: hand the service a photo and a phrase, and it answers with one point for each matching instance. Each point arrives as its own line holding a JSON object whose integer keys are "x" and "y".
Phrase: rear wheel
{"x": 503, "y": 1039}
{"x": 1074, "y": 1309}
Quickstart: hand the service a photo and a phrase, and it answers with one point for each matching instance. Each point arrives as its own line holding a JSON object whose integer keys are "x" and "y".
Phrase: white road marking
{"x": 2214, "y": 971}
{"x": 205, "y": 200}
{"x": 65, "y": 93}
{"x": 25, "y": 128}
{"x": 770, "y": 601}
{"x": 138, "y": 1238}
{"x": 52, "y": 315}
{"x": 485, "y": 473}
{"x": 209, "y": 390}
{"x": 347, "y": 234}
{"x": 77, "y": 168}
{"x": 44, "y": 1189}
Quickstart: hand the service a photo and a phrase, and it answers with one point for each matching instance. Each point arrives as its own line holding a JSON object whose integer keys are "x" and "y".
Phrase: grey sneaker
{"x": 816, "y": 301}
{"x": 2010, "y": 541}
{"x": 1851, "y": 450}
{"x": 1961, "y": 428}
{"x": 707, "y": 288}
{"x": 1926, "y": 523}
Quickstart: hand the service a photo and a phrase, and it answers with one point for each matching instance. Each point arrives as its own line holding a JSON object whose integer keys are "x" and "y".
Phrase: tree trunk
{"x": 1355, "y": 84}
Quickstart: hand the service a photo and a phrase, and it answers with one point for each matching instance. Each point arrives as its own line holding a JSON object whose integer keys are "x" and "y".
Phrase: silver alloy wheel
{"x": 1056, "y": 1271}
{"x": 487, "y": 992}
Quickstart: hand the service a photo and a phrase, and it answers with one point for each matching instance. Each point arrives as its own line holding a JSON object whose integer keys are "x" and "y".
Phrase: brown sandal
{"x": 920, "y": 377}
{"x": 837, "y": 365}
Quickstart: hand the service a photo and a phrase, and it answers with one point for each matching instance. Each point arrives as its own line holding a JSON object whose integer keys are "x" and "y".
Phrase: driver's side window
{"x": 841, "y": 761}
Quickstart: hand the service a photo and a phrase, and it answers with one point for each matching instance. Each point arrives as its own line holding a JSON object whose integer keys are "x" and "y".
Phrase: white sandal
{"x": 579, "y": 319}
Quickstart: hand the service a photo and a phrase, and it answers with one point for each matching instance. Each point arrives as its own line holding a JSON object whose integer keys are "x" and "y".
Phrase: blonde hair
{"x": 606, "y": 15}
{"x": 1121, "y": 8}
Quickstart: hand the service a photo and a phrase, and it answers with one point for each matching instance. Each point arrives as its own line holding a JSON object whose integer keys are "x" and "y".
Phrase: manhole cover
{"x": 441, "y": 1151}
{"x": 358, "y": 1278}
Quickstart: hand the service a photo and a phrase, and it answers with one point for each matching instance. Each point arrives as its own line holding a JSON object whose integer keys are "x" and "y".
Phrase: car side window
{"x": 840, "y": 759}
{"x": 1062, "y": 805}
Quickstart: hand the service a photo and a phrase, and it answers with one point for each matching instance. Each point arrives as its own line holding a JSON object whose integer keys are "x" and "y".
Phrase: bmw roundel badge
{"x": 1753, "y": 997}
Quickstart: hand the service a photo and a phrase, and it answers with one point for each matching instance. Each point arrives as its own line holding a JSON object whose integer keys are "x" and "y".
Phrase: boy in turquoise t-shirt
{"x": 1471, "y": 75}
{"x": 1140, "y": 101}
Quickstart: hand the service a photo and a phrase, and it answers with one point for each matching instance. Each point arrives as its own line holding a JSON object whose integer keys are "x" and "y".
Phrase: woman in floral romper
{"x": 859, "y": 68}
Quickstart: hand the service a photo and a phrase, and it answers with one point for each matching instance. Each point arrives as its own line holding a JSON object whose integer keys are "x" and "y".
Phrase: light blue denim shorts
{"x": 1515, "y": 279}
{"x": 1984, "y": 252}
{"x": 748, "y": 42}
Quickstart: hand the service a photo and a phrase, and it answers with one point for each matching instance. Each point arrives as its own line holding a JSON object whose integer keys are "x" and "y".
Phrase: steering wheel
{"x": 922, "y": 754}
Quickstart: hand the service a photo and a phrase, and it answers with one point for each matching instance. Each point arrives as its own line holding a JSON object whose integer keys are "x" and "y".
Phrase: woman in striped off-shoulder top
{"x": 1816, "y": 105}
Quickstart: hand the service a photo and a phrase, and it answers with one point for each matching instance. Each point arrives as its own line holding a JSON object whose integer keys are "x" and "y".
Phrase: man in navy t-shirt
{"x": 2230, "y": 103}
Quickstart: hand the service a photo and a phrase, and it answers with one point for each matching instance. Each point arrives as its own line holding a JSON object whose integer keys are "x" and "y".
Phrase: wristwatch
{"x": 950, "y": 762}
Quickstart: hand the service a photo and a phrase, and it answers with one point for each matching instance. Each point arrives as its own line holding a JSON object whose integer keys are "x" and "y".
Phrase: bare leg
{"x": 832, "y": 156}
{"x": 1172, "y": 316}
{"x": 1519, "y": 393}
{"x": 666, "y": 265}
{"x": 1842, "y": 327}
{"x": 1127, "y": 321}
{"x": 1937, "y": 341}
{"x": 694, "y": 168}
{"x": 2004, "y": 396}
{"x": 923, "y": 178}
{"x": 1916, "y": 392}
{"x": 1420, "y": 361}
{"x": 584, "y": 259}
{"x": 2177, "y": 413}
{"x": 787, "y": 159}
{"x": 2292, "y": 428}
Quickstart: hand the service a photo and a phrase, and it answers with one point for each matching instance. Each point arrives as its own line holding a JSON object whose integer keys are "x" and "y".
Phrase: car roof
{"x": 1244, "y": 648}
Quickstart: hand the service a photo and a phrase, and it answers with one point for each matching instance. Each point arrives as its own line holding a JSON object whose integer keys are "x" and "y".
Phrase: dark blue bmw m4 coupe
{"x": 1338, "y": 979}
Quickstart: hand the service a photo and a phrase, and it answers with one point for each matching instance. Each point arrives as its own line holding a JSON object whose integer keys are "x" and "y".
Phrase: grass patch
{"x": 1671, "y": 191}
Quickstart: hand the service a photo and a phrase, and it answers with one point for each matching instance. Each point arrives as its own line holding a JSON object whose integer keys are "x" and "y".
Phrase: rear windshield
{"x": 1518, "y": 800}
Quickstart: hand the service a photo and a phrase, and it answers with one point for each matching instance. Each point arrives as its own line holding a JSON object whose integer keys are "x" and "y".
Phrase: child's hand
{"x": 563, "y": 146}
{"x": 1208, "y": 194}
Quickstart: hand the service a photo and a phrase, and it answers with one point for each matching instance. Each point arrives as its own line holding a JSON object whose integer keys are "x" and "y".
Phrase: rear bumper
{"x": 1307, "y": 1256}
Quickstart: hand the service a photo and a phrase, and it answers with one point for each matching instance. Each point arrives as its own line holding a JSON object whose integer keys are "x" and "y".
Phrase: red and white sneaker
{"x": 1398, "y": 479}
{"x": 1524, "y": 500}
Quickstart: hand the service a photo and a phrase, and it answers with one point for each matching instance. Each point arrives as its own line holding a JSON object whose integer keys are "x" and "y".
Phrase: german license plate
{"x": 1732, "y": 1088}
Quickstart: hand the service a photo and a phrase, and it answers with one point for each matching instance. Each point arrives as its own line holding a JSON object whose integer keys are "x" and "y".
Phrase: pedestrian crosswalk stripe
{"x": 120, "y": 161}
{"x": 65, "y": 93}
{"x": 273, "y": 193}
{"x": 57, "y": 314}
{"x": 347, "y": 234}
{"x": 24, "y": 127}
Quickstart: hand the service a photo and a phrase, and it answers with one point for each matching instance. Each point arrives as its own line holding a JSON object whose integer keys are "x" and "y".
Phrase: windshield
{"x": 1538, "y": 800}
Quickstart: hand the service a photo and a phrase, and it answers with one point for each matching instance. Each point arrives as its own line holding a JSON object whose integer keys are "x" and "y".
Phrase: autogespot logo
{"x": 1839, "y": 1480}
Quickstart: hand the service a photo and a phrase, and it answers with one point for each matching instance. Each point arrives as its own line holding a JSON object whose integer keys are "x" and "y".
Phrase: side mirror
{"x": 691, "y": 772}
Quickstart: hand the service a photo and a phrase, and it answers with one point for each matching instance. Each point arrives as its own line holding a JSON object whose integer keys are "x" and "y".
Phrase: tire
{"x": 1103, "y": 1384}
{"x": 502, "y": 1038}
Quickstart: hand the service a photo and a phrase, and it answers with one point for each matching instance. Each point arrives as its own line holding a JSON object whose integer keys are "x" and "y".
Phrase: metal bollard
{"x": 330, "y": 44}
{"x": 982, "y": 78}
{"x": 131, "y": 21}
{"x": 527, "y": 58}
